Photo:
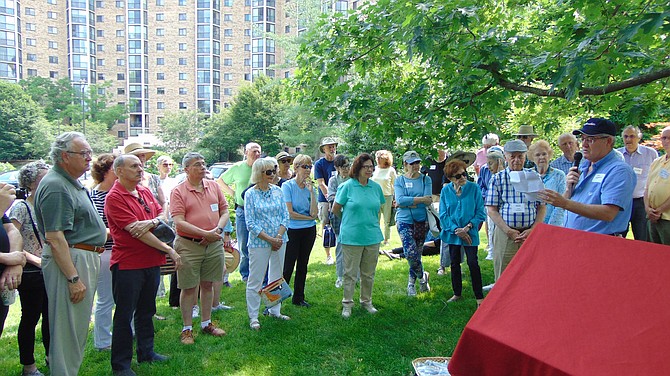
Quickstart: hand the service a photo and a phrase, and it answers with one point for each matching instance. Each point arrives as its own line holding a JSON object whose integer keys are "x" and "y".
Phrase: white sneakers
{"x": 338, "y": 283}
{"x": 329, "y": 260}
{"x": 346, "y": 312}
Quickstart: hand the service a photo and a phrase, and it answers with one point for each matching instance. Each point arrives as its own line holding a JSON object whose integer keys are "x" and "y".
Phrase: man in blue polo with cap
{"x": 599, "y": 194}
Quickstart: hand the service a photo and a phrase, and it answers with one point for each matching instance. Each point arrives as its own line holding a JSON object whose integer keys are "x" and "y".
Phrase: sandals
{"x": 255, "y": 325}
{"x": 454, "y": 298}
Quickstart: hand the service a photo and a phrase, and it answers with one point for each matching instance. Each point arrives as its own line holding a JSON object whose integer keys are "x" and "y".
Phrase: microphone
{"x": 578, "y": 159}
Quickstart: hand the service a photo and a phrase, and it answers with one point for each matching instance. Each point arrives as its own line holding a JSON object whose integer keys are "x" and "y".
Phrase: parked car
{"x": 10, "y": 177}
{"x": 219, "y": 168}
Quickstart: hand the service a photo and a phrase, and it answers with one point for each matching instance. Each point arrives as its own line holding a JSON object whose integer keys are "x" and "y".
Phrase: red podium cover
{"x": 573, "y": 303}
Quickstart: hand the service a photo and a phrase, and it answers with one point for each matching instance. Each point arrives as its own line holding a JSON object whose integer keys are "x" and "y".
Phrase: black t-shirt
{"x": 436, "y": 173}
{"x": 4, "y": 240}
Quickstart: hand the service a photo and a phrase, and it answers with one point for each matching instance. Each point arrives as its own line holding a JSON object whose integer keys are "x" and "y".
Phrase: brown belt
{"x": 88, "y": 247}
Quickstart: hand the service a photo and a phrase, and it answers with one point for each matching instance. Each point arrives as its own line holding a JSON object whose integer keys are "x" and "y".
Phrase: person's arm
{"x": 14, "y": 262}
{"x": 221, "y": 182}
{"x": 322, "y": 186}
{"x": 152, "y": 241}
{"x": 60, "y": 251}
{"x": 30, "y": 258}
{"x": 337, "y": 209}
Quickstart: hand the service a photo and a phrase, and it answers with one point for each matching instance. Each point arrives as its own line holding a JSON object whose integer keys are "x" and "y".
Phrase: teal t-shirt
{"x": 360, "y": 212}
{"x": 238, "y": 175}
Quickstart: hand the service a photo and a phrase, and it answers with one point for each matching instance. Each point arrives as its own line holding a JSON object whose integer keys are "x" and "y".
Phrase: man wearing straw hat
{"x": 526, "y": 134}
{"x": 324, "y": 169}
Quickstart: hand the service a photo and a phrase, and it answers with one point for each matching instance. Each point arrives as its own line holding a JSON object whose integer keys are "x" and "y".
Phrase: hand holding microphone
{"x": 573, "y": 176}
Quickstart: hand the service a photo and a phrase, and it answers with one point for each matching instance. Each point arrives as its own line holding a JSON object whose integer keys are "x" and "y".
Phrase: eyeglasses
{"x": 461, "y": 175}
{"x": 591, "y": 139}
{"x": 168, "y": 164}
{"x": 369, "y": 166}
{"x": 415, "y": 163}
{"x": 146, "y": 207}
{"x": 83, "y": 153}
{"x": 199, "y": 165}
{"x": 346, "y": 166}
{"x": 306, "y": 166}
{"x": 271, "y": 172}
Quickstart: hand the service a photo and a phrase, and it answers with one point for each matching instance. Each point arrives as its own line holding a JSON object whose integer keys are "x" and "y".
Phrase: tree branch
{"x": 599, "y": 90}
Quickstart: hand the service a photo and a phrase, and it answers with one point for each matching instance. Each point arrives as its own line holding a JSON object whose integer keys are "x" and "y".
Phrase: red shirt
{"x": 122, "y": 209}
{"x": 201, "y": 209}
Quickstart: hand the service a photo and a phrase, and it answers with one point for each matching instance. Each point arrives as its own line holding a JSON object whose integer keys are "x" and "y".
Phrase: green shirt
{"x": 360, "y": 212}
{"x": 238, "y": 175}
{"x": 63, "y": 204}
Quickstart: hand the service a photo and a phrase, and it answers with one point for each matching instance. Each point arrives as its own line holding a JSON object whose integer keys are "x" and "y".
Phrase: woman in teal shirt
{"x": 461, "y": 214}
{"x": 357, "y": 202}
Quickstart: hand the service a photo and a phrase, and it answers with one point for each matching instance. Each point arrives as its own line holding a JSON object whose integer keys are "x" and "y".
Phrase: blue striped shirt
{"x": 514, "y": 208}
{"x": 264, "y": 211}
{"x": 561, "y": 163}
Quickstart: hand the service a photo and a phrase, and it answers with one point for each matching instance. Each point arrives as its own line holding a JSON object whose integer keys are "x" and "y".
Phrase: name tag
{"x": 215, "y": 207}
{"x": 409, "y": 184}
{"x": 517, "y": 208}
{"x": 664, "y": 174}
{"x": 598, "y": 178}
{"x": 332, "y": 173}
{"x": 637, "y": 170}
{"x": 433, "y": 167}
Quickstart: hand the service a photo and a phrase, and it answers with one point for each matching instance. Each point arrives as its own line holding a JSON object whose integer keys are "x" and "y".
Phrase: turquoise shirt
{"x": 300, "y": 200}
{"x": 360, "y": 212}
{"x": 457, "y": 211}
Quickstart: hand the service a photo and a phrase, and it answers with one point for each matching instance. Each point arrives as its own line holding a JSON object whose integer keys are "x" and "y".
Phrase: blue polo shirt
{"x": 360, "y": 212}
{"x": 300, "y": 198}
{"x": 610, "y": 183}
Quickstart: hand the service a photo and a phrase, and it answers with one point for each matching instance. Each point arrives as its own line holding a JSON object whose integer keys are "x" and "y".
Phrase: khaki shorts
{"x": 324, "y": 208}
{"x": 200, "y": 263}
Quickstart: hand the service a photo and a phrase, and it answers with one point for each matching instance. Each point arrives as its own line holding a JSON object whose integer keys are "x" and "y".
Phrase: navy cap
{"x": 596, "y": 126}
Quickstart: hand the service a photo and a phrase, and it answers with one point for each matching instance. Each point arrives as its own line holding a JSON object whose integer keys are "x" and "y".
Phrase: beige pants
{"x": 359, "y": 260}
{"x": 504, "y": 250}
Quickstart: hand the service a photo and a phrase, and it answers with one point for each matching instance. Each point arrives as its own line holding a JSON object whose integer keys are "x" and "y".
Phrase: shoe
{"x": 221, "y": 307}
{"x": 159, "y": 317}
{"x": 454, "y": 298}
{"x": 338, "y": 283}
{"x": 280, "y": 316}
{"x": 213, "y": 330}
{"x": 255, "y": 325}
{"x": 124, "y": 372}
{"x": 102, "y": 349}
{"x": 34, "y": 372}
{"x": 488, "y": 287}
{"x": 245, "y": 279}
{"x": 196, "y": 311}
{"x": 302, "y": 304}
{"x": 387, "y": 254}
{"x": 227, "y": 284}
{"x": 346, "y": 312}
{"x": 479, "y": 302}
{"x": 329, "y": 260}
{"x": 155, "y": 357}
{"x": 187, "y": 337}
{"x": 370, "y": 308}
{"x": 411, "y": 290}
{"x": 423, "y": 282}
{"x": 489, "y": 256}
{"x": 440, "y": 271}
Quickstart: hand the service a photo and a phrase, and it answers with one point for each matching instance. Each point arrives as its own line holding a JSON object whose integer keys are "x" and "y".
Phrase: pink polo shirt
{"x": 201, "y": 209}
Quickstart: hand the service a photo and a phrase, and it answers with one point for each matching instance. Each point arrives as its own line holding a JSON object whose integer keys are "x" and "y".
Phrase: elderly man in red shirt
{"x": 137, "y": 254}
{"x": 200, "y": 212}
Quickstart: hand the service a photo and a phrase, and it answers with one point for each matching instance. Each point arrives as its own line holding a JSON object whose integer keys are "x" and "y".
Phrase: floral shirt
{"x": 265, "y": 211}
{"x": 19, "y": 212}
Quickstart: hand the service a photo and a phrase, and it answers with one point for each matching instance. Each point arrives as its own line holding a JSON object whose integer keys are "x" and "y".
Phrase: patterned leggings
{"x": 412, "y": 236}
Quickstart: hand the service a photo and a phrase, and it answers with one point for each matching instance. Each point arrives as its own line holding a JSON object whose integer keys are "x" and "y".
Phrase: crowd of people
{"x": 62, "y": 243}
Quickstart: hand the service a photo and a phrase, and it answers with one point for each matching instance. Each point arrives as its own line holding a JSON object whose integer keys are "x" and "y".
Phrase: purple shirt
{"x": 639, "y": 160}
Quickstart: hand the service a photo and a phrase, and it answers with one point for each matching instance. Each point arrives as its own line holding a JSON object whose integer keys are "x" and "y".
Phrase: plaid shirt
{"x": 561, "y": 163}
{"x": 515, "y": 209}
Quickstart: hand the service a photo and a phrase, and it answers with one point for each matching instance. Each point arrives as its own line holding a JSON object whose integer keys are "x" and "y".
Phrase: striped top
{"x": 515, "y": 209}
{"x": 98, "y": 198}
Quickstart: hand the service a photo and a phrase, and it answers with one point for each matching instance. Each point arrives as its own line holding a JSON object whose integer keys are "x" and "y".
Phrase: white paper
{"x": 527, "y": 182}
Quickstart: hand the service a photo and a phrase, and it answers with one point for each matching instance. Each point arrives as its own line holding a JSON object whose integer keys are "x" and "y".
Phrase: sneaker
{"x": 488, "y": 287}
{"x": 187, "y": 337}
{"x": 440, "y": 271}
{"x": 34, "y": 372}
{"x": 255, "y": 325}
{"x": 423, "y": 282}
{"x": 370, "y": 308}
{"x": 196, "y": 311}
{"x": 338, "y": 283}
{"x": 489, "y": 256}
{"x": 346, "y": 312}
{"x": 388, "y": 254}
{"x": 221, "y": 307}
{"x": 329, "y": 260}
{"x": 213, "y": 330}
{"x": 411, "y": 290}
{"x": 227, "y": 284}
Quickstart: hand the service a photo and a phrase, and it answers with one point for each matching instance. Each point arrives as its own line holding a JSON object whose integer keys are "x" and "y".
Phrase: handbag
{"x": 329, "y": 239}
{"x": 275, "y": 292}
{"x": 433, "y": 220}
{"x": 164, "y": 232}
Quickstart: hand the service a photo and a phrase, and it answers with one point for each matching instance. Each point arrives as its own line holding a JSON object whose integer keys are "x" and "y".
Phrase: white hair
{"x": 490, "y": 139}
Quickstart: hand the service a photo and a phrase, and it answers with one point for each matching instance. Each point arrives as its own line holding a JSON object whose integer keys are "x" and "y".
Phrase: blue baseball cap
{"x": 596, "y": 126}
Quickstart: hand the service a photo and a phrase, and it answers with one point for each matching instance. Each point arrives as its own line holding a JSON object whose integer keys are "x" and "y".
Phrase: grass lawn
{"x": 317, "y": 341}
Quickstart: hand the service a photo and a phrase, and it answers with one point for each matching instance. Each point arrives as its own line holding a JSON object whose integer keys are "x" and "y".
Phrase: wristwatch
{"x": 74, "y": 279}
{"x": 219, "y": 230}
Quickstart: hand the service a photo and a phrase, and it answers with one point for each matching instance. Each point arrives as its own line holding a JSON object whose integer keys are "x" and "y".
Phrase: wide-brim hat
{"x": 596, "y": 126}
{"x": 465, "y": 156}
{"x": 232, "y": 257}
{"x": 525, "y": 130}
{"x": 137, "y": 148}
{"x": 283, "y": 155}
{"x": 327, "y": 141}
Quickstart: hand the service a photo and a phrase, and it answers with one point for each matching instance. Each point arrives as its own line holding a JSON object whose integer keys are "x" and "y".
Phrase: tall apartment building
{"x": 160, "y": 55}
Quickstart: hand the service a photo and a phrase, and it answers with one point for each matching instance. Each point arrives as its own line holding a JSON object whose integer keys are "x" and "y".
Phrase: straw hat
{"x": 137, "y": 148}
{"x": 327, "y": 141}
{"x": 466, "y": 156}
{"x": 525, "y": 130}
{"x": 232, "y": 257}
{"x": 283, "y": 155}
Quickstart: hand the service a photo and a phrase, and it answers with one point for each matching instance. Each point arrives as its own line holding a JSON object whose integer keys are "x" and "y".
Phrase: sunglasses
{"x": 306, "y": 166}
{"x": 415, "y": 163}
{"x": 462, "y": 175}
{"x": 144, "y": 204}
{"x": 285, "y": 161}
{"x": 271, "y": 172}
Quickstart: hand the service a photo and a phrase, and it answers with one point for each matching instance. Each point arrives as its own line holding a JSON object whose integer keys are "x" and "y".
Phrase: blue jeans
{"x": 242, "y": 239}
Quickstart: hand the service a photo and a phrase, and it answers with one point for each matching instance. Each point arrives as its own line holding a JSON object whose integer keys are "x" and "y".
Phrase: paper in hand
{"x": 527, "y": 182}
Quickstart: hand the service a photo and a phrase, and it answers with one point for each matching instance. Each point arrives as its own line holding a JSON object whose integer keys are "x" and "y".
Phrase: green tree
{"x": 181, "y": 131}
{"x": 19, "y": 117}
{"x": 452, "y": 71}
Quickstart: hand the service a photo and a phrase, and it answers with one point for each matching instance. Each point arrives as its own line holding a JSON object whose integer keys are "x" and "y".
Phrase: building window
{"x": 100, "y": 47}
{"x": 32, "y": 72}
{"x": 160, "y": 46}
{"x": 227, "y": 3}
{"x": 160, "y": 90}
{"x": 101, "y": 62}
{"x": 227, "y": 62}
{"x": 120, "y": 62}
{"x": 160, "y": 3}
{"x": 120, "y": 4}
{"x": 182, "y": 106}
{"x": 160, "y": 32}
{"x": 120, "y": 47}
{"x": 31, "y": 57}
{"x": 287, "y": 29}
{"x": 52, "y": 15}
{"x": 182, "y": 32}
{"x": 182, "y": 46}
{"x": 120, "y": 19}
{"x": 182, "y": 16}
{"x": 53, "y": 74}
{"x": 160, "y": 61}
{"x": 229, "y": 17}
{"x": 100, "y": 33}
{"x": 120, "y": 76}
{"x": 246, "y": 62}
{"x": 247, "y": 47}
{"x": 182, "y": 61}
{"x": 183, "y": 76}
{"x": 247, "y": 17}
{"x": 227, "y": 76}
{"x": 160, "y": 16}
{"x": 160, "y": 76}
{"x": 159, "y": 119}
{"x": 182, "y": 3}
{"x": 53, "y": 2}
{"x": 30, "y": 27}
{"x": 30, "y": 11}
{"x": 227, "y": 91}
{"x": 160, "y": 105}
{"x": 101, "y": 76}
{"x": 247, "y": 32}
{"x": 31, "y": 41}
{"x": 120, "y": 33}
{"x": 229, "y": 47}
{"x": 53, "y": 59}
{"x": 99, "y": 18}
{"x": 99, "y": 4}
{"x": 120, "y": 91}
{"x": 121, "y": 134}
{"x": 227, "y": 32}
{"x": 54, "y": 30}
